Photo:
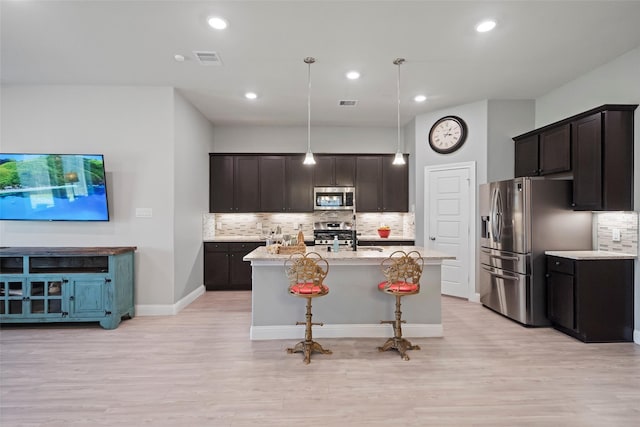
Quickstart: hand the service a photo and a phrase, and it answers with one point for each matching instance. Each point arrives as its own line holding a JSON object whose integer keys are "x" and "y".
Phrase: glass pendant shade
{"x": 398, "y": 159}
{"x": 308, "y": 159}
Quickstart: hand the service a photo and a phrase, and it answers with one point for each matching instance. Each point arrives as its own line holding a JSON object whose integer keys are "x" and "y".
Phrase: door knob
{"x": 432, "y": 238}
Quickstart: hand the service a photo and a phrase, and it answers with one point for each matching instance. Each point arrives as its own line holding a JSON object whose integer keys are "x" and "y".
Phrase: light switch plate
{"x": 144, "y": 212}
{"x": 615, "y": 235}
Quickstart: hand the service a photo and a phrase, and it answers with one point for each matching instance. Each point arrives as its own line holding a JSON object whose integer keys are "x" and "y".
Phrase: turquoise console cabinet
{"x": 64, "y": 284}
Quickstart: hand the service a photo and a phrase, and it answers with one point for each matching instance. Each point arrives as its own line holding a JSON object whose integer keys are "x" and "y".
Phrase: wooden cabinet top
{"x": 605, "y": 107}
{"x": 64, "y": 251}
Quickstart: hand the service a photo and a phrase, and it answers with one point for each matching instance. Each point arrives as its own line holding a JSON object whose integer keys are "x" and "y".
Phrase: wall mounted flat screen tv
{"x": 53, "y": 187}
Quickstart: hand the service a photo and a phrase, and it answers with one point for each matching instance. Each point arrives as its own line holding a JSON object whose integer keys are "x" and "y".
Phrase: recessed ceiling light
{"x": 420, "y": 98}
{"x": 178, "y": 57}
{"x": 217, "y": 23}
{"x": 251, "y": 95}
{"x": 485, "y": 26}
{"x": 353, "y": 75}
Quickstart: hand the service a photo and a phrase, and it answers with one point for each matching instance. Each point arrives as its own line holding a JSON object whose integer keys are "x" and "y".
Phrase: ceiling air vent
{"x": 348, "y": 103}
{"x": 208, "y": 58}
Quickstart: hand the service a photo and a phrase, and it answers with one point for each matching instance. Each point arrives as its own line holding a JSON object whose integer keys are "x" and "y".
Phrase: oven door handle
{"x": 501, "y": 276}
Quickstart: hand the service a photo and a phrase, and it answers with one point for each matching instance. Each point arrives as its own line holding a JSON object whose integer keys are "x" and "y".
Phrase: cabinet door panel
{"x": 561, "y": 300}
{"x": 395, "y": 186}
{"x": 555, "y": 150}
{"x": 272, "y": 183}
{"x": 216, "y": 270}
{"x": 526, "y": 156}
{"x": 12, "y": 292}
{"x": 220, "y": 183}
{"x": 299, "y": 185}
{"x": 239, "y": 270}
{"x": 345, "y": 171}
{"x": 246, "y": 190}
{"x": 323, "y": 171}
{"x": 367, "y": 188}
{"x": 89, "y": 297}
{"x": 587, "y": 165}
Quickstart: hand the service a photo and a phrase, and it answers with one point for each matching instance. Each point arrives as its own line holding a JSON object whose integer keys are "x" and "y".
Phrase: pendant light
{"x": 399, "y": 158}
{"x": 308, "y": 158}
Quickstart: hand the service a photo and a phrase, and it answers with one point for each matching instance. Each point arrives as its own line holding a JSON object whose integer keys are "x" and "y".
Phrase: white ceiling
{"x": 536, "y": 47}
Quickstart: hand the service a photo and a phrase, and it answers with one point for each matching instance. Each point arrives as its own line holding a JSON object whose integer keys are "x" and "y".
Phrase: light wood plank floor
{"x": 200, "y": 369}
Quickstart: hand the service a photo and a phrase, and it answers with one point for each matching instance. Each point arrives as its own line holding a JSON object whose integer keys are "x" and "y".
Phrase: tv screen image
{"x": 53, "y": 187}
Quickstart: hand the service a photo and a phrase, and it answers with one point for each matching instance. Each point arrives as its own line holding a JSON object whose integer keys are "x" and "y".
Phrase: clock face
{"x": 447, "y": 134}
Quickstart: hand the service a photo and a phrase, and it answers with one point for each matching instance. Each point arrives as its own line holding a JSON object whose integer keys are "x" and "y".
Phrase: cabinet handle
{"x": 557, "y": 262}
{"x": 72, "y": 298}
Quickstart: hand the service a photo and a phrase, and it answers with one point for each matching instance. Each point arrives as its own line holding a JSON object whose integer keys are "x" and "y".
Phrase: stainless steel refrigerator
{"x": 520, "y": 219}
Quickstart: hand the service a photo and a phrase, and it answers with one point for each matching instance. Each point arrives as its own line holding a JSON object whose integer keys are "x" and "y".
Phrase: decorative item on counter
{"x": 384, "y": 231}
{"x": 298, "y": 248}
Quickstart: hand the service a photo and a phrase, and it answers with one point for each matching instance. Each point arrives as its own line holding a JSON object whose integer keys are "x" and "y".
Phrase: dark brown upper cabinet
{"x": 543, "y": 153}
{"x": 233, "y": 183}
{"x": 282, "y": 183}
{"x": 526, "y": 152}
{"x": 555, "y": 150}
{"x": 272, "y": 183}
{"x": 299, "y": 185}
{"x": 603, "y": 166}
{"x": 594, "y": 147}
{"x": 334, "y": 171}
{"x": 381, "y": 186}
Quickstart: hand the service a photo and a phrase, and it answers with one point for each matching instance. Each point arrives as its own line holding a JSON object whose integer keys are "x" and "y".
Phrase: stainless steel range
{"x": 324, "y": 233}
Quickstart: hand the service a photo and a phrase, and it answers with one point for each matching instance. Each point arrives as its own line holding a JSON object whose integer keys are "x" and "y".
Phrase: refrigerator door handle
{"x": 499, "y": 275}
{"x": 496, "y": 215}
{"x": 508, "y": 258}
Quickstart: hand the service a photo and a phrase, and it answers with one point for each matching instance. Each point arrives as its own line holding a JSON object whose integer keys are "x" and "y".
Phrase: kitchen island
{"x": 354, "y": 307}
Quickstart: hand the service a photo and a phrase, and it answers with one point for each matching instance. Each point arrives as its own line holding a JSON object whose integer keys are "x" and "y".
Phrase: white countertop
{"x": 368, "y": 238}
{"x": 364, "y": 253}
{"x": 587, "y": 255}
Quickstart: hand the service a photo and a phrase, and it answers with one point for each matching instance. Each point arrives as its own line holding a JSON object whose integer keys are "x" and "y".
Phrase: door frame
{"x": 472, "y": 294}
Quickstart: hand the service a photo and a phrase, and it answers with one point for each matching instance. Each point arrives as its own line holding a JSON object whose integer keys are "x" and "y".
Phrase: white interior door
{"x": 447, "y": 228}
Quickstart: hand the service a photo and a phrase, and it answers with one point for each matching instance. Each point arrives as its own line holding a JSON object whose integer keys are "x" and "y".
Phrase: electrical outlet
{"x": 258, "y": 226}
{"x": 615, "y": 235}
{"x": 218, "y": 225}
{"x": 295, "y": 226}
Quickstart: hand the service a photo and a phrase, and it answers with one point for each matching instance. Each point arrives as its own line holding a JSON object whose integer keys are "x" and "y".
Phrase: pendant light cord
{"x": 309, "y": 60}
{"x": 309, "y": 107}
{"x": 399, "y": 159}
{"x": 399, "y": 61}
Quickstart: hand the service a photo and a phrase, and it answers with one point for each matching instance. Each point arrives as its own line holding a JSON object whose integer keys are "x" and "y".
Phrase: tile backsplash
{"x": 219, "y": 226}
{"x": 606, "y": 223}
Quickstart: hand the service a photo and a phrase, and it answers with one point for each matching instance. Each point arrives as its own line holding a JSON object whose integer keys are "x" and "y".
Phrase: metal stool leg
{"x": 397, "y": 342}
{"x": 308, "y": 345}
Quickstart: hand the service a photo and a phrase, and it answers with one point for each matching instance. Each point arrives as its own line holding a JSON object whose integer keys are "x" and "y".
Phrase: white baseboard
{"x": 636, "y": 336}
{"x": 169, "y": 309}
{"x": 278, "y": 332}
{"x": 475, "y": 297}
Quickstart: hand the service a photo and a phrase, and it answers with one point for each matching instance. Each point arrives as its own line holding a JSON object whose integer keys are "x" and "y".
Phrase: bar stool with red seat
{"x": 403, "y": 271}
{"x": 306, "y": 275}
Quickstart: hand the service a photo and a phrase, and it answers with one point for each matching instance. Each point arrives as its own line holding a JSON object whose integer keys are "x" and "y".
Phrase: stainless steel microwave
{"x": 333, "y": 198}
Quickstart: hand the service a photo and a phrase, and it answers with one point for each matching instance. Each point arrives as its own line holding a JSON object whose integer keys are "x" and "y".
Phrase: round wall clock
{"x": 447, "y": 134}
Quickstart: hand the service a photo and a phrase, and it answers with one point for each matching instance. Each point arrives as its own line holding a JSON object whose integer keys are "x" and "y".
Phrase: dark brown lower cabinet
{"x": 591, "y": 300}
{"x": 224, "y": 269}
